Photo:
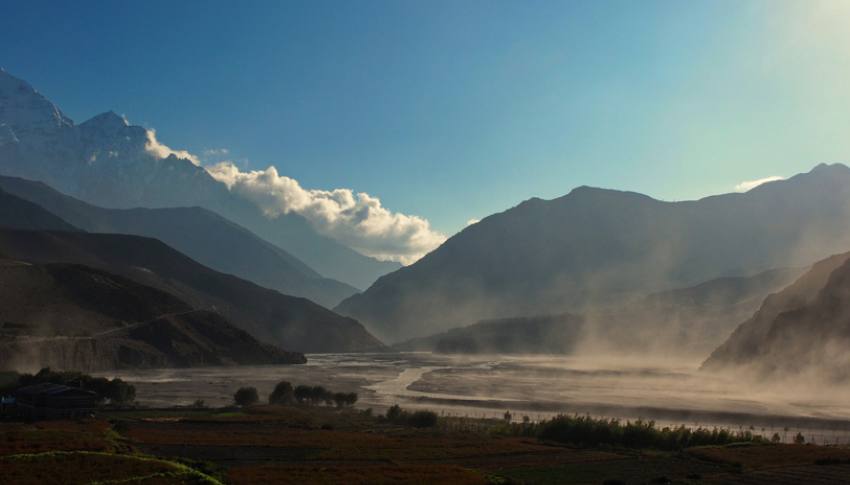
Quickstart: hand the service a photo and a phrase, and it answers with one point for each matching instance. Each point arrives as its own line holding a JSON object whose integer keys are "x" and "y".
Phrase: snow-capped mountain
{"x": 110, "y": 163}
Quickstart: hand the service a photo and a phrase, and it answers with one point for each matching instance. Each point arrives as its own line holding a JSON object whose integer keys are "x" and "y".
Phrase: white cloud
{"x": 472, "y": 221}
{"x": 213, "y": 153}
{"x": 357, "y": 220}
{"x": 751, "y": 184}
{"x": 160, "y": 150}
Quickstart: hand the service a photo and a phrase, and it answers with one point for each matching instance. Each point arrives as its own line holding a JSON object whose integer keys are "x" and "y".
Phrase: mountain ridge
{"x": 593, "y": 247}
{"x": 109, "y": 163}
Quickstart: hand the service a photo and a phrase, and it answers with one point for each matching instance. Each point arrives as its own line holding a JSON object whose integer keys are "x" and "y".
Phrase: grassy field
{"x": 275, "y": 444}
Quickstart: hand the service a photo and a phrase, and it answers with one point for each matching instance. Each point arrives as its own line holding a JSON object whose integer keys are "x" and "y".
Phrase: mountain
{"x": 804, "y": 327}
{"x": 594, "y": 247}
{"x": 290, "y": 322}
{"x": 75, "y": 317}
{"x": 680, "y": 323}
{"x": 196, "y": 232}
{"x": 17, "y": 213}
{"x": 109, "y": 163}
{"x": 544, "y": 334}
{"x": 683, "y": 322}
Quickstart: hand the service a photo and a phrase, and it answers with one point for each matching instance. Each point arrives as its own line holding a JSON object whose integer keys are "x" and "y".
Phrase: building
{"x": 46, "y": 401}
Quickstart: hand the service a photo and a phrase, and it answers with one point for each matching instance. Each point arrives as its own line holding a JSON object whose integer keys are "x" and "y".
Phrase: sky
{"x": 448, "y": 111}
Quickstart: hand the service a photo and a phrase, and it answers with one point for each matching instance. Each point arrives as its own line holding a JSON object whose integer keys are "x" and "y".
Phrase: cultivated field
{"x": 287, "y": 444}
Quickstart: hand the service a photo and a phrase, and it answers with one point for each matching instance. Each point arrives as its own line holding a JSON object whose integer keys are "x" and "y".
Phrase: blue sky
{"x": 454, "y": 110}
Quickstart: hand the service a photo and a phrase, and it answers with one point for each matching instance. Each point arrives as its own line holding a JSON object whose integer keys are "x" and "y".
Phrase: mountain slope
{"x": 290, "y": 322}
{"x": 109, "y": 163}
{"x": 75, "y": 317}
{"x": 17, "y": 213}
{"x": 593, "y": 247}
{"x": 676, "y": 323}
{"x": 806, "y": 325}
{"x": 544, "y": 334}
{"x": 200, "y": 234}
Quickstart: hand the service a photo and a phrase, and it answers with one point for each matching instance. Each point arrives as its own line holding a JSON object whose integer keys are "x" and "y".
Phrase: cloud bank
{"x": 160, "y": 150}
{"x": 357, "y": 220}
{"x": 751, "y": 184}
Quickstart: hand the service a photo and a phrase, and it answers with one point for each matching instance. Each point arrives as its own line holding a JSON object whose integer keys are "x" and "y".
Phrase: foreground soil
{"x": 268, "y": 444}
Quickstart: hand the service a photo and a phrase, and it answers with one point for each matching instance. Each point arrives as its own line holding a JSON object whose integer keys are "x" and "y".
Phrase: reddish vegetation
{"x": 355, "y": 474}
{"x": 72, "y": 468}
{"x": 771, "y": 456}
{"x": 88, "y": 435}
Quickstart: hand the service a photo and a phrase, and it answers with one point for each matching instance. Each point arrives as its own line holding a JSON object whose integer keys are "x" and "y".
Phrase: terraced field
{"x": 268, "y": 444}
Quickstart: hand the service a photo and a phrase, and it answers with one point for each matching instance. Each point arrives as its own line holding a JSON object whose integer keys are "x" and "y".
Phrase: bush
{"x": 282, "y": 393}
{"x": 423, "y": 419}
{"x": 246, "y": 396}
{"x": 588, "y": 431}
{"x": 116, "y": 391}
{"x": 394, "y": 413}
{"x": 302, "y": 393}
{"x": 343, "y": 399}
{"x": 418, "y": 419}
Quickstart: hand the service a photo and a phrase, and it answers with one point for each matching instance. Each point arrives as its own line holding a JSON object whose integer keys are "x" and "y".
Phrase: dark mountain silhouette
{"x": 290, "y": 322}
{"x": 804, "y": 327}
{"x": 75, "y": 317}
{"x": 200, "y": 234}
{"x": 593, "y": 247}
{"x": 17, "y": 213}
{"x": 109, "y": 163}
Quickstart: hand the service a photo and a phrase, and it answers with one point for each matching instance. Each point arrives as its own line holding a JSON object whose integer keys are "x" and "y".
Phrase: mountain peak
{"x": 110, "y": 120}
{"x": 25, "y": 110}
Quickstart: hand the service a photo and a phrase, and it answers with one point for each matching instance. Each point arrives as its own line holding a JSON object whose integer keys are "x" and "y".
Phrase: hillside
{"x": 595, "y": 247}
{"x": 290, "y": 322}
{"x": 17, "y": 213}
{"x": 198, "y": 233}
{"x": 74, "y": 317}
{"x": 545, "y": 334}
{"x": 109, "y": 163}
{"x": 805, "y": 326}
{"x": 679, "y": 322}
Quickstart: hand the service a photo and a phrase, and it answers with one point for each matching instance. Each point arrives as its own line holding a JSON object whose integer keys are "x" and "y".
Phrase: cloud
{"x": 751, "y": 184}
{"x": 357, "y": 220}
{"x": 213, "y": 153}
{"x": 472, "y": 221}
{"x": 160, "y": 150}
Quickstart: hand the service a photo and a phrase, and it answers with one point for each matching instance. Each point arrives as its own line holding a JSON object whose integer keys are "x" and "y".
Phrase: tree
{"x": 246, "y": 396}
{"x": 799, "y": 439}
{"x": 282, "y": 393}
{"x": 394, "y": 412}
{"x": 342, "y": 399}
{"x": 303, "y": 393}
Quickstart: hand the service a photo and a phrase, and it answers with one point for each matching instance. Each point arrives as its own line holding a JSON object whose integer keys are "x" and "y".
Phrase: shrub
{"x": 116, "y": 391}
{"x": 246, "y": 396}
{"x": 423, "y": 419}
{"x": 394, "y": 413}
{"x": 302, "y": 393}
{"x": 588, "y": 431}
{"x": 282, "y": 393}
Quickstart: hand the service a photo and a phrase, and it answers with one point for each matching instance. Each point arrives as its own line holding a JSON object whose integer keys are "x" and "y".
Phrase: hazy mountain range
{"x": 802, "y": 329}
{"x": 201, "y": 234}
{"x": 681, "y": 322}
{"x": 290, "y": 322}
{"x": 109, "y": 163}
{"x": 75, "y": 317}
{"x": 594, "y": 248}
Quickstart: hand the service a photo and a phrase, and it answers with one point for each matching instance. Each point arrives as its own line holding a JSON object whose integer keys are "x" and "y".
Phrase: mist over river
{"x": 533, "y": 386}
